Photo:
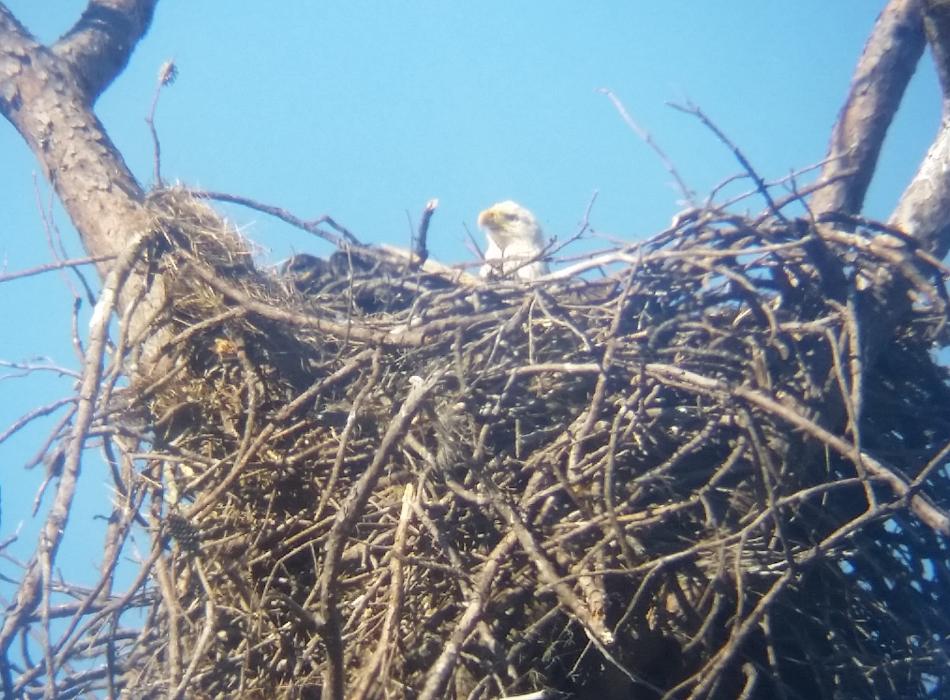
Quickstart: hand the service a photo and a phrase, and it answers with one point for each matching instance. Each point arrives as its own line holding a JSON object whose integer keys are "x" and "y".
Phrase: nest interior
{"x": 679, "y": 476}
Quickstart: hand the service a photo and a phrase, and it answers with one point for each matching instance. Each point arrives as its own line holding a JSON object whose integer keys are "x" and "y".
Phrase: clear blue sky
{"x": 365, "y": 110}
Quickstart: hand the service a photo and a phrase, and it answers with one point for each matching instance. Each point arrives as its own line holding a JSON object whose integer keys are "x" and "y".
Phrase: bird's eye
{"x": 511, "y": 217}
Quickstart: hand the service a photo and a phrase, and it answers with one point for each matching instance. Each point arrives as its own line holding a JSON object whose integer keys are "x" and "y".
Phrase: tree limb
{"x": 937, "y": 27}
{"x": 29, "y": 591}
{"x": 99, "y": 45}
{"x": 882, "y": 74}
{"x": 47, "y": 95}
{"x": 924, "y": 209}
{"x": 40, "y": 96}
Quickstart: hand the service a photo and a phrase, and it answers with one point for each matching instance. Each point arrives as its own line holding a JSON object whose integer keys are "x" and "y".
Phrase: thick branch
{"x": 41, "y": 95}
{"x": 937, "y": 28}
{"x": 99, "y": 45}
{"x": 42, "y": 99}
{"x": 883, "y": 72}
{"x": 924, "y": 208}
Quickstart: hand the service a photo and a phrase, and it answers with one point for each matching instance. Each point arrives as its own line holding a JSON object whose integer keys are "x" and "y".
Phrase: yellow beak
{"x": 487, "y": 218}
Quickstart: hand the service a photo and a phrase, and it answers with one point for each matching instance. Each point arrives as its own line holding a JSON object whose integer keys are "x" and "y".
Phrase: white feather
{"x": 515, "y": 242}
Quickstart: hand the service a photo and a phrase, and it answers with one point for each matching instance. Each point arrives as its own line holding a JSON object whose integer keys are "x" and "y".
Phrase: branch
{"x": 49, "y": 267}
{"x": 922, "y": 209}
{"x": 166, "y": 76}
{"x": 931, "y": 515}
{"x": 31, "y": 586}
{"x": 377, "y": 667}
{"x": 689, "y": 197}
{"x": 936, "y": 15}
{"x": 441, "y": 670}
{"x": 312, "y": 226}
{"x": 99, "y": 45}
{"x": 420, "y": 251}
{"x": 760, "y": 183}
{"x": 348, "y": 514}
{"x": 40, "y": 96}
{"x": 355, "y": 331}
{"x": 882, "y": 74}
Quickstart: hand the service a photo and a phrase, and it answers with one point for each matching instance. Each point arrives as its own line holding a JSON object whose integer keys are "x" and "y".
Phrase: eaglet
{"x": 515, "y": 242}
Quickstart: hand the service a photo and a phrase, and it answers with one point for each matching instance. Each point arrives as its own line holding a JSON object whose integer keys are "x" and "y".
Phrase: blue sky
{"x": 365, "y": 110}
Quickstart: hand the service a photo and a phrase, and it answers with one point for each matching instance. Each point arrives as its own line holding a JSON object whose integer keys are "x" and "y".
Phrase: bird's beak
{"x": 487, "y": 218}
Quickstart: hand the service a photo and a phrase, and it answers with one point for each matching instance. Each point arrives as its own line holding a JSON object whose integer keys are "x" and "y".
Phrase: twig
{"x": 762, "y": 188}
{"x": 472, "y": 243}
{"x": 351, "y": 418}
{"x": 353, "y": 330}
{"x": 554, "y": 247}
{"x": 441, "y": 670}
{"x": 54, "y": 242}
{"x": 377, "y": 668}
{"x": 312, "y": 226}
{"x": 49, "y": 267}
{"x": 933, "y": 516}
{"x": 204, "y": 639}
{"x": 29, "y": 591}
{"x": 166, "y": 76}
{"x": 38, "y": 412}
{"x": 688, "y": 195}
{"x": 346, "y": 517}
{"x": 420, "y": 253}
{"x": 711, "y": 671}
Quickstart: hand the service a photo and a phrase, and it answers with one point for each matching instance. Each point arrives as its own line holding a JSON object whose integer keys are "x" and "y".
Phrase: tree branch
{"x": 937, "y": 28}
{"x": 40, "y": 96}
{"x": 47, "y": 95}
{"x": 29, "y": 591}
{"x": 882, "y": 74}
{"x": 99, "y": 45}
{"x": 924, "y": 209}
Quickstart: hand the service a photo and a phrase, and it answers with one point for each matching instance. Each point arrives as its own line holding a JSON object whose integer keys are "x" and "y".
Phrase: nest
{"x": 683, "y": 476}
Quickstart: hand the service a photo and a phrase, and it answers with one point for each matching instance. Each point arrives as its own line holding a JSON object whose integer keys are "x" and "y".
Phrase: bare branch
{"x": 312, "y": 226}
{"x": 760, "y": 184}
{"x": 936, "y": 15}
{"x": 924, "y": 209}
{"x": 100, "y": 44}
{"x": 689, "y": 197}
{"x": 932, "y": 515}
{"x": 346, "y": 518}
{"x": 420, "y": 250}
{"x": 40, "y": 96}
{"x": 882, "y": 74}
{"x": 49, "y": 267}
{"x": 29, "y": 591}
{"x": 166, "y": 76}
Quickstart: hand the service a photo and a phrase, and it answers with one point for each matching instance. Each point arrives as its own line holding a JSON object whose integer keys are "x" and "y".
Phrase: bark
{"x": 937, "y": 27}
{"x": 44, "y": 97}
{"x": 924, "y": 209}
{"x": 100, "y": 43}
{"x": 47, "y": 94}
{"x": 882, "y": 74}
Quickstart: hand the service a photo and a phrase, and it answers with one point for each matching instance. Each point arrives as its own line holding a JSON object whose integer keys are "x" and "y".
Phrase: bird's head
{"x": 508, "y": 222}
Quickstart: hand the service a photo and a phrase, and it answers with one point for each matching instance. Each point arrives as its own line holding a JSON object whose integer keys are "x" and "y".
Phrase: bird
{"x": 515, "y": 242}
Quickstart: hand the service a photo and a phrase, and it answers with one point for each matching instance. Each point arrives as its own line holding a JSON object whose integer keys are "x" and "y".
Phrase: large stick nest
{"x": 687, "y": 476}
